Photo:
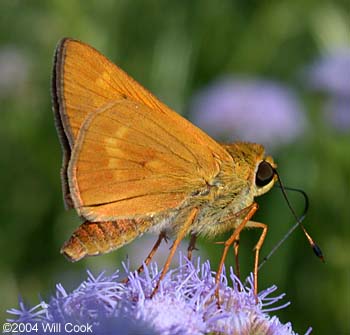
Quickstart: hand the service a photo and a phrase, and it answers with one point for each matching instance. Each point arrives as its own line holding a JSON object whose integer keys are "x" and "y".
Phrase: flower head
{"x": 252, "y": 110}
{"x": 184, "y": 305}
{"x": 337, "y": 112}
{"x": 14, "y": 70}
{"x": 331, "y": 73}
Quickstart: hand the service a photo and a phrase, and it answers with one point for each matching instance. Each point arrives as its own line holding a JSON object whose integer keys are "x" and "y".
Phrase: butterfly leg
{"x": 257, "y": 248}
{"x": 181, "y": 234}
{"x": 251, "y": 210}
{"x": 236, "y": 250}
{"x": 162, "y": 236}
{"x": 191, "y": 246}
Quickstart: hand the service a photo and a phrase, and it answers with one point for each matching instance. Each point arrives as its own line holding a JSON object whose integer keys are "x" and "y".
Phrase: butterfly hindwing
{"x": 129, "y": 161}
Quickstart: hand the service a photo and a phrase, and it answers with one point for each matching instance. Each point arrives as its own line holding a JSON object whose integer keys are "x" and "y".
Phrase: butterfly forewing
{"x": 84, "y": 81}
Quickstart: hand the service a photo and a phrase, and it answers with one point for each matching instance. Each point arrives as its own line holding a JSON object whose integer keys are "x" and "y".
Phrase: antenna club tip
{"x": 318, "y": 252}
{"x": 322, "y": 258}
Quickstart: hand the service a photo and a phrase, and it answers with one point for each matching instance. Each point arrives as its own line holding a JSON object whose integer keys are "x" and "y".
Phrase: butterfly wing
{"x": 131, "y": 160}
{"x": 85, "y": 80}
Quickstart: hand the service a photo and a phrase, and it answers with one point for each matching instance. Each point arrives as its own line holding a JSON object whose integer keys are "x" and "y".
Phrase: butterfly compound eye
{"x": 264, "y": 174}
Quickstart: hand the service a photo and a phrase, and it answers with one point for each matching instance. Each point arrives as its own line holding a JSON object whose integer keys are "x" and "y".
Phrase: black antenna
{"x": 317, "y": 250}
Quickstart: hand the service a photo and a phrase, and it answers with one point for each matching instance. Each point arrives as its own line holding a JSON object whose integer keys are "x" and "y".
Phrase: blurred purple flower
{"x": 184, "y": 305}
{"x": 331, "y": 73}
{"x": 14, "y": 69}
{"x": 337, "y": 112}
{"x": 254, "y": 110}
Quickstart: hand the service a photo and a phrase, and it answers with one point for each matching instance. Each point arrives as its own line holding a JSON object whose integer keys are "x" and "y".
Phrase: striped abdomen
{"x": 94, "y": 238}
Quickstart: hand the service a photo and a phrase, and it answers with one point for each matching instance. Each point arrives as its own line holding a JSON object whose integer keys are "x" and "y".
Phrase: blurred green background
{"x": 174, "y": 49}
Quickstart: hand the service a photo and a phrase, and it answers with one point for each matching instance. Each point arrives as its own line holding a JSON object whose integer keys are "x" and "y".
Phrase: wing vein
{"x": 128, "y": 198}
{"x": 170, "y": 134}
{"x": 92, "y": 68}
{"x": 149, "y": 137}
{"x": 73, "y": 91}
{"x": 158, "y": 176}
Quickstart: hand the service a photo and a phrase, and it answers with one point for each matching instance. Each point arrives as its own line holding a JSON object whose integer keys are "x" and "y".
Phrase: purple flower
{"x": 331, "y": 73}
{"x": 14, "y": 69}
{"x": 184, "y": 305}
{"x": 337, "y": 112}
{"x": 254, "y": 110}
